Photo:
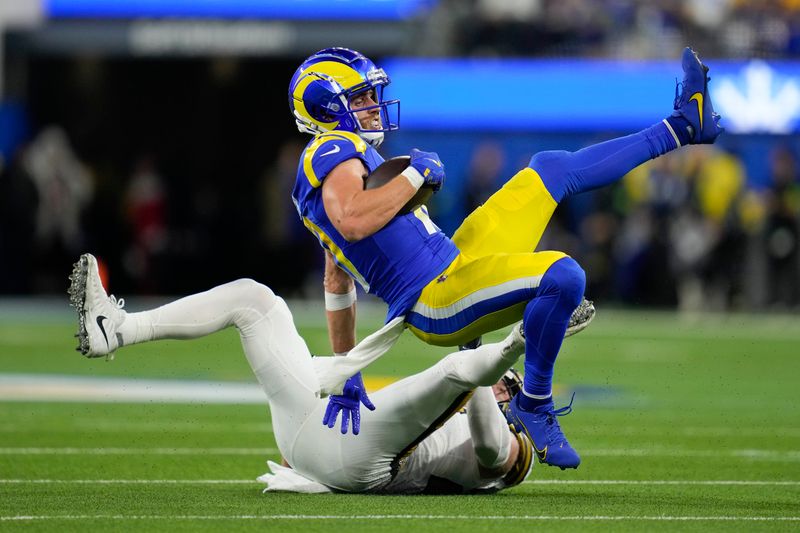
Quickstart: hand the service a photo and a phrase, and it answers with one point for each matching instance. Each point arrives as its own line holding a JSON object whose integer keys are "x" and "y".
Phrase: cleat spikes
{"x": 90, "y": 300}
{"x": 77, "y": 299}
{"x": 581, "y": 317}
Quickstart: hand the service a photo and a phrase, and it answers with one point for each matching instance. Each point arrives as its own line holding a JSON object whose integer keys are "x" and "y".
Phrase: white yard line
{"x": 130, "y": 481}
{"x": 65, "y": 388}
{"x": 668, "y": 482}
{"x": 677, "y": 482}
{"x": 688, "y": 431}
{"x": 117, "y": 424}
{"x": 33, "y": 387}
{"x": 138, "y": 451}
{"x": 555, "y": 518}
{"x": 747, "y": 454}
{"x": 113, "y": 426}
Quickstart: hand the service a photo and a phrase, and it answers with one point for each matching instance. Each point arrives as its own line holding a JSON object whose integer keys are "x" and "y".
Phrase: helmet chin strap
{"x": 373, "y": 138}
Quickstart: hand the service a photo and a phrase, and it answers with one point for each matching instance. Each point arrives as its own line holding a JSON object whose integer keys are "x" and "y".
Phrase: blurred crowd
{"x": 614, "y": 28}
{"x": 176, "y": 194}
{"x": 683, "y": 231}
{"x": 155, "y": 234}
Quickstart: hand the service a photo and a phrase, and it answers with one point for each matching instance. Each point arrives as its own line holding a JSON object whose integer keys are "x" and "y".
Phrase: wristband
{"x": 337, "y": 302}
{"x": 414, "y": 177}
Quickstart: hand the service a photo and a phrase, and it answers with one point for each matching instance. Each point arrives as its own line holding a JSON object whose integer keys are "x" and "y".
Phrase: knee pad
{"x": 566, "y": 278}
{"x": 552, "y": 167}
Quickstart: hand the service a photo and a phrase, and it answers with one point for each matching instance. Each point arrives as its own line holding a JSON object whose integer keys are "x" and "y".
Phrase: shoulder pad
{"x": 328, "y": 150}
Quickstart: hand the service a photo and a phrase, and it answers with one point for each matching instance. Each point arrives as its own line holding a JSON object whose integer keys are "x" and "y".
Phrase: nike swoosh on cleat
{"x": 698, "y": 98}
{"x": 333, "y": 150}
{"x": 541, "y": 454}
{"x": 100, "y": 319}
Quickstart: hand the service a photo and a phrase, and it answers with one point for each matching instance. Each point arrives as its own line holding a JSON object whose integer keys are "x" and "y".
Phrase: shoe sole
{"x": 77, "y": 299}
{"x": 584, "y": 319}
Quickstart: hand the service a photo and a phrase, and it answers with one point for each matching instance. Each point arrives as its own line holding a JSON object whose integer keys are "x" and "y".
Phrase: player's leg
{"x": 514, "y": 218}
{"x": 407, "y": 411}
{"x": 411, "y": 409}
{"x": 275, "y": 351}
{"x": 692, "y": 122}
{"x": 490, "y": 292}
{"x": 545, "y": 320}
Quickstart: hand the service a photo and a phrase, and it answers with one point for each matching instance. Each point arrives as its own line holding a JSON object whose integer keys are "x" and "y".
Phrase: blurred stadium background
{"x": 155, "y": 134}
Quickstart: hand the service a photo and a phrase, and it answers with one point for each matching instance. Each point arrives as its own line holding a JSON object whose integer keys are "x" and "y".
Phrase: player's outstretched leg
{"x": 545, "y": 321}
{"x": 99, "y": 315}
{"x": 692, "y": 122}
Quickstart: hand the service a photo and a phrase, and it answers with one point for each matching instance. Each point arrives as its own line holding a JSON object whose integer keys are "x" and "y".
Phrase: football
{"x": 388, "y": 170}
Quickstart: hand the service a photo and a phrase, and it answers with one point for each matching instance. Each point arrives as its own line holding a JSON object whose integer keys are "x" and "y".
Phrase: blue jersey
{"x": 394, "y": 263}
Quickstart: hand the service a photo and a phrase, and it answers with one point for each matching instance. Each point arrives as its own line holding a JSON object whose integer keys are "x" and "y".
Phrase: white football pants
{"x": 406, "y": 411}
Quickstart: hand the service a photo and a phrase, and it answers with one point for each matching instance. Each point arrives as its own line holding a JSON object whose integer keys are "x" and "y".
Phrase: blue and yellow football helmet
{"x": 321, "y": 89}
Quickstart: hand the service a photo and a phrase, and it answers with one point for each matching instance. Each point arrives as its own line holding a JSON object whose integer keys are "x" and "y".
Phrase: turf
{"x": 683, "y": 424}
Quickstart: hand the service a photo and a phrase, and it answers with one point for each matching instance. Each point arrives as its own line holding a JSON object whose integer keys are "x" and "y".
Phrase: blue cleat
{"x": 693, "y": 102}
{"x": 541, "y": 427}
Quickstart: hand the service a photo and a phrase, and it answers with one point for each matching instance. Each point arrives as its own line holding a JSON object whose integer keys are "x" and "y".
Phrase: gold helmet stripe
{"x": 344, "y": 75}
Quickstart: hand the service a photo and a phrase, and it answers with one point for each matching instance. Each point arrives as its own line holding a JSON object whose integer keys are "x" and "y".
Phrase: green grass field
{"x": 683, "y": 424}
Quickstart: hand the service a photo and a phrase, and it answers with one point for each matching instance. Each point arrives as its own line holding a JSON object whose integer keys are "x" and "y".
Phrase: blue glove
{"x": 429, "y": 166}
{"x": 349, "y": 403}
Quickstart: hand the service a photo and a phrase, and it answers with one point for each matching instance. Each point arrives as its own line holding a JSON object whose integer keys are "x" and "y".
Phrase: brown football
{"x": 388, "y": 170}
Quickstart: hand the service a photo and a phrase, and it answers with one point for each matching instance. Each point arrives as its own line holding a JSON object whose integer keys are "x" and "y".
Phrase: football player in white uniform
{"x": 412, "y": 443}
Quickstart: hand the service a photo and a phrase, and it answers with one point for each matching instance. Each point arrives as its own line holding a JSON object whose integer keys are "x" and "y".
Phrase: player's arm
{"x": 340, "y": 307}
{"x": 489, "y": 472}
{"x": 357, "y": 213}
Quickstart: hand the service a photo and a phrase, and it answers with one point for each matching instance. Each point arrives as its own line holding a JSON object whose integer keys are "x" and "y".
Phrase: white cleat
{"x": 581, "y": 317}
{"x": 99, "y": 315}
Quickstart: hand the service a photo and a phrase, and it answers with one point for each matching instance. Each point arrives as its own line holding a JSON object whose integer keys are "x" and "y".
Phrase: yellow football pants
{"x": 497, "y": 272}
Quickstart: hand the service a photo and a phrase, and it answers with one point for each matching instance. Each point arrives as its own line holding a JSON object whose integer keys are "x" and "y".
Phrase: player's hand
{"x": 349, "y": 403}
{"x": 429, "y": 166}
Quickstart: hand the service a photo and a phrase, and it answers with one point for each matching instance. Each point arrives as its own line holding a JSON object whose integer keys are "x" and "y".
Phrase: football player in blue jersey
{"x": 448, "y": 291}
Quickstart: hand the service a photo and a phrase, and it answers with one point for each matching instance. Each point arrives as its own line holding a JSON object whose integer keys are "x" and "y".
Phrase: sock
{"x": 681, "y": 127}
{"x": 567, "y": 173}
{"x": 138, "y": 327}
{"x": 529, "y": 402}
{"x": 545, "y": 321}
